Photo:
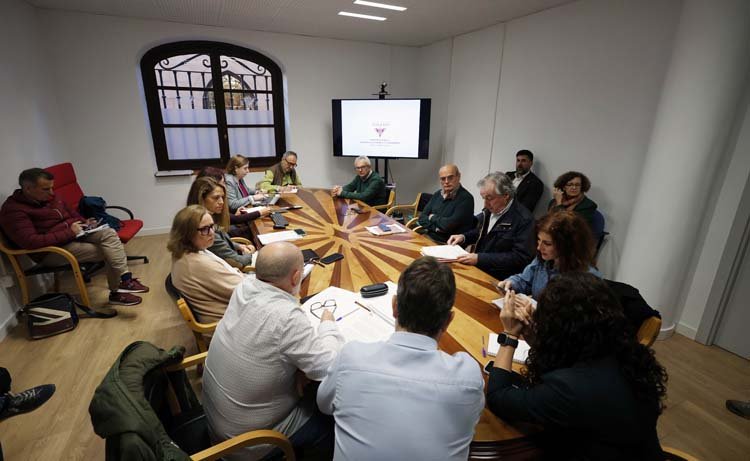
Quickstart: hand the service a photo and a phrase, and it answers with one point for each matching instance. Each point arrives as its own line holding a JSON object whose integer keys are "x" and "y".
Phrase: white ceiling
{"x": 424, "y": 22}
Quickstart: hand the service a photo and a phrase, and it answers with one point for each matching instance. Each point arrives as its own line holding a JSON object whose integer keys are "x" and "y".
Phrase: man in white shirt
{"x": 403, "y": 398}
{"x": 260, "y": 345}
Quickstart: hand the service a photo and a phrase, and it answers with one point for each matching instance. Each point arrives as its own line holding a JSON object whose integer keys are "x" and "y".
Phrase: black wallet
{"x": 371, "y": 291}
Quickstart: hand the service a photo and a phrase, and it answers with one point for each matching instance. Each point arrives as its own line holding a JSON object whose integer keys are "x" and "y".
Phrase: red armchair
{"x": 68, "y": 190}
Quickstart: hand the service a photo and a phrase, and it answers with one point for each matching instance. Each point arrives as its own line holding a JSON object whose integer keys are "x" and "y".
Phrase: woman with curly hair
{"x": 569, "y": 193}
{"x": 596, "y": 391}
{"x": 564, "y": 244}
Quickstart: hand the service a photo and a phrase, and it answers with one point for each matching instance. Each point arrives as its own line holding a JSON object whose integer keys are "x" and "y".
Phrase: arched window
{"x": 196, "y": 122}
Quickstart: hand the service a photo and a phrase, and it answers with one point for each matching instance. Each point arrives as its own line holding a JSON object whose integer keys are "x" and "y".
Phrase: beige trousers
{"x": 104, "y": 246}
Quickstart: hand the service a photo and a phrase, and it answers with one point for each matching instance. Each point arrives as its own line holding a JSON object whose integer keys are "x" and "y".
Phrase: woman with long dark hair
{"x": 596, "y": 391}
{"x": 564, "y": 244}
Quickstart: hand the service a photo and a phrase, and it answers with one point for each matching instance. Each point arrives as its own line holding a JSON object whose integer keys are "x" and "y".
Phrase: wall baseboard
{"x": 687, "y": 330}
{"x": 7, "y": 325}
{"x": 154, "y": 231}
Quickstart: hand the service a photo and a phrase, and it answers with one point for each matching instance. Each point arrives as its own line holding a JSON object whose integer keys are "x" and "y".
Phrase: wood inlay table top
{"x": 332, "y": 225}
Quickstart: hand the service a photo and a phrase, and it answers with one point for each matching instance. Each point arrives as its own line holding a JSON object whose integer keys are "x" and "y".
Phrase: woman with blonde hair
{"x": 206, "y": 280}
{"x": 212, "y": 195}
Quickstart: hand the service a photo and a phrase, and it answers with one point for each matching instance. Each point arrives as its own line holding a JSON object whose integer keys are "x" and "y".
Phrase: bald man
{"x": 261, "y": 346}
{"x": 450, "y": 210}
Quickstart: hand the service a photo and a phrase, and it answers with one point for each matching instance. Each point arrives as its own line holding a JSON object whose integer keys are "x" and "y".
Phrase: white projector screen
{"x": 381, "y": 128}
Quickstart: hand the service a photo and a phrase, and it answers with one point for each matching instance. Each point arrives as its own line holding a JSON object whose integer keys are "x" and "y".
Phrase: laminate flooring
{"x": 701, "y": 378}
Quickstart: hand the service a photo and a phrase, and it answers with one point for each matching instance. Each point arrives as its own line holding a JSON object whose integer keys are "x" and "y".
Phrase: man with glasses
{"x": 404, "y": 398}
{"x": 504, "y": 233}
{"x": 34, "y": 218}
{"x": 283, "y": 176}
{"x": 450, "y": 210}
{"x": 261, "y": 347}
{"x": 528, "y": 186}
{"x": 367, "y": 186}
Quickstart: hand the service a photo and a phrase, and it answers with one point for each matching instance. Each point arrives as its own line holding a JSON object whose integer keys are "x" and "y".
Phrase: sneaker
{"x": 739, "y": 408}
{"x": 132, "y": 286}
{"x": 124, "y": 299}
{"x": 26, "y": 401}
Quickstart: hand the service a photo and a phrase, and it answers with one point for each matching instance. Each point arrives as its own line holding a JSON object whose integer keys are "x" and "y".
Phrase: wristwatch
{"x": 504, "y": 339}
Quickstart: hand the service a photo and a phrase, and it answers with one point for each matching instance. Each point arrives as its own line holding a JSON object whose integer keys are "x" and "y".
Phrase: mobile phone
{"x": 300, "y": 232}
{"x": 488, "y": 368}
{"x": 384, "y": 227}
{"x": 331, "y": 258}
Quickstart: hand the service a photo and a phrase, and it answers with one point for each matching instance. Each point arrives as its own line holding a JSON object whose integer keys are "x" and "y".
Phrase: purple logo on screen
{"x": 380, "y": 131}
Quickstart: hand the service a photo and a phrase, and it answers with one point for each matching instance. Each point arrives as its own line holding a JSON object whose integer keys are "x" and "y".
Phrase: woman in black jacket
{"x": 596, "y": 391}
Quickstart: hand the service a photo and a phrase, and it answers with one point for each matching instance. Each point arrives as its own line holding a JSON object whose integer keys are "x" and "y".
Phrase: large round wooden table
{"x": 334, "y": 225}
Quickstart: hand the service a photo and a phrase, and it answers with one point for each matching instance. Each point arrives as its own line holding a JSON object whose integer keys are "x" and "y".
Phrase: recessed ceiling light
{"x": 379, "y": 5}
{"x": 363, "y": 16}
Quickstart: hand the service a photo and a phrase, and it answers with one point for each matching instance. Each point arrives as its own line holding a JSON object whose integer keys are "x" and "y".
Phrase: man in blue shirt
{"x": 403, "y": 398}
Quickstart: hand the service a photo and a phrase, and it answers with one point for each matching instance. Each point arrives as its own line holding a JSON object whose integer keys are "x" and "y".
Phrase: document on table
{"x": 382, "y": 305}
{"x": 447, "y": 252}
{"x": 519, "y": 356}
{"x": 500, "y": 302}
{"x": 395, "y": 229}
{"x": 252, "y": 209}
{"x": 354, "y": 322}
{"x": 282, "y": 236}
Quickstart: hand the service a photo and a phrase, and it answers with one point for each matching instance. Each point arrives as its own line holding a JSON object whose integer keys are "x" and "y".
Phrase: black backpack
{"x": 96, "y": 207}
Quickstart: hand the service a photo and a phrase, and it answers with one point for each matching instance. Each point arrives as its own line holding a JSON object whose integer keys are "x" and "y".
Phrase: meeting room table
{"x": 338, "y": 225}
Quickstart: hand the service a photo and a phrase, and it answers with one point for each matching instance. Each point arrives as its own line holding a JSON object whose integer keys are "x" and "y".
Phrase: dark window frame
{"x": 214, "y": 50}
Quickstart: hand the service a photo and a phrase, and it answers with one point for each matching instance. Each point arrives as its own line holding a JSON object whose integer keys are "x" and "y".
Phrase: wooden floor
{"x": 700, "y": 378}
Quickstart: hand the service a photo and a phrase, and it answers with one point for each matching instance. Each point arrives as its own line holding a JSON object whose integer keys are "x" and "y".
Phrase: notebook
{"x": 519, "y": 356}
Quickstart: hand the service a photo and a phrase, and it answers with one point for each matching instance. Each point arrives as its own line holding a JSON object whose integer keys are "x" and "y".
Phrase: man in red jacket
{"x": 33, "y": 218}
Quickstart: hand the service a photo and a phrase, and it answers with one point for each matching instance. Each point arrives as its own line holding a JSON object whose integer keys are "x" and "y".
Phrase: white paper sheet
{"x": 519, "y": 356}
{"x": 282, "y": 236}
{"x": 381, "y": 305}
{"x": 448, "y": 252}
{"x": 395, "y": 229}
{"x": 354, "y": 322}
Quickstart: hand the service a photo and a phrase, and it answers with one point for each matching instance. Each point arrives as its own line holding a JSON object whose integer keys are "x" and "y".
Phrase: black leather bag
{"x": 55, "y": 313}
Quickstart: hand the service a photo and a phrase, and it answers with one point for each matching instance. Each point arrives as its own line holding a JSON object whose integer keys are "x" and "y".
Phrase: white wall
{"x": 96, "y": 61}
{"x": 30, "y": 130}
{"x": 578, "y": 86}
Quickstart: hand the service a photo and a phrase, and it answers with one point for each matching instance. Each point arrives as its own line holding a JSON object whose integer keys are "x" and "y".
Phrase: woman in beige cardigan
{"x": 206, "y": 280}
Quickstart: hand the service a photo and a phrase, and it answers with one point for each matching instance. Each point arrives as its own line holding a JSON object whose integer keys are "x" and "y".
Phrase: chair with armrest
{"x": 649, "y": 330}
{"x": 597, "y": 229}
{"x": 81, "y": 271}
{"x": 391, "y": 198}
{"x": 673, "y": 454}
{"x": 68, "y": 190}
{"x": 411, "y": 211}
{"x": 198, "y": 328}
{"x": 147, "y": 391}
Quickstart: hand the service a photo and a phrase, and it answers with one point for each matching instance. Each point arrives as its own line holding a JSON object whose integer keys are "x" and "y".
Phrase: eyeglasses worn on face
{"x": 363, "y": 167}
{"x": 573, "y": 185}
{"x": 290, "y": 164}
{"x": 317, "y": 309}
{"x": 447, "y": 178}
{"x": 205, "y": 230}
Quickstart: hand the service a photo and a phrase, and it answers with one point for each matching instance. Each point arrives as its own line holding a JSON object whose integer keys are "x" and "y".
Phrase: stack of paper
{"x": 395, "y": 229}
{"x": 519, "y": 356}
{"x": 445, "y": 252}
{"x": 251, "y": 210}
{"x": 282, "y": 236}
{"x": 354, "y": 322}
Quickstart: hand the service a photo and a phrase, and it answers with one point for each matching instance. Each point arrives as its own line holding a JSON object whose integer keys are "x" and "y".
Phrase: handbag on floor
{"x": 55, "y": 313}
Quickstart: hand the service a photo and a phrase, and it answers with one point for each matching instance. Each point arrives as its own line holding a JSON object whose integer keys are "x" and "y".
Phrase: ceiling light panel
{"x": 361, "y": 16}
{"x": 379, "y": 5}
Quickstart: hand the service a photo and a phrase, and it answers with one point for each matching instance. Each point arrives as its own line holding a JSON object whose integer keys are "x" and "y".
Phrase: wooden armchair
{"x": 649, "y": 330}
{"x": 386, "y": 206}
{"x": 80, "y": 275}
{"x": 412, "y": 210}
{"x": 198, "y": 328}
